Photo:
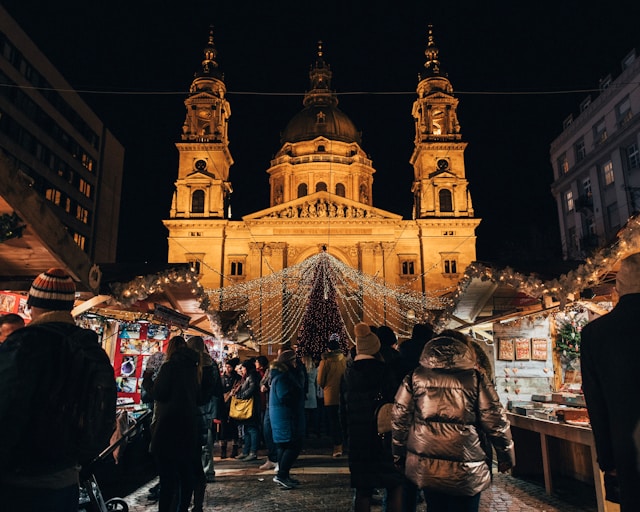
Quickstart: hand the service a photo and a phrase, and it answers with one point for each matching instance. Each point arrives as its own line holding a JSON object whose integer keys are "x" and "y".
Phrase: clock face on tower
{"x": 201, "y": 165}
{"x": 443, "y": 164}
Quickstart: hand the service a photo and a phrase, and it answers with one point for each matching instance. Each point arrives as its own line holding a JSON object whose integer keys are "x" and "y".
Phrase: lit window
{"x": 563, "y": 164}
{"x": 607, "y": 173}
{"x": 82, "y": 214}
{"x": 197, "y": 201}
{"x": 53, "y": 195}
{"x": 84, "y": 187}
{"x": 599, "y": 132}
{"x": 568, "y": 199}
{"x": 79, "y": 240}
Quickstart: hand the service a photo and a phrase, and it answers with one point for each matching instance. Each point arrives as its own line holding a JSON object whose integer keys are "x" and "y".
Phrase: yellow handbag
{"x": 241, "y": 408}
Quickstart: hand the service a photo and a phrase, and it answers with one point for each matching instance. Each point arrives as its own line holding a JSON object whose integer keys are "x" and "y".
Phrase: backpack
{"x": 87, "y": 395}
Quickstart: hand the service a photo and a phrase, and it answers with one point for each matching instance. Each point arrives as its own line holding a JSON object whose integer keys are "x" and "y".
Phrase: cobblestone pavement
{"x": 242, "y": 486}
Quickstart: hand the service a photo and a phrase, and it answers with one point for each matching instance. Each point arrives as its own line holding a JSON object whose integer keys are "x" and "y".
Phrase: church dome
{"x": 320, "y": 115}
{"x": 320, "y": 120}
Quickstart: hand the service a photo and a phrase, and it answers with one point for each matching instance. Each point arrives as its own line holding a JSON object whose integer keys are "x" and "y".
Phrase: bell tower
{"x": 203, "y": 188}
{"x": 439, "y": 186}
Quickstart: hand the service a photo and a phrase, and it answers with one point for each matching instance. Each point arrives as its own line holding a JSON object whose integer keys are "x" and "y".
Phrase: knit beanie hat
{"x": 53, "y": 290}
{"x": 334, "y": 341}
{"x": 366, "y": 342}
{"x": 628, "y": 277}
{"x": 286, "y": 356}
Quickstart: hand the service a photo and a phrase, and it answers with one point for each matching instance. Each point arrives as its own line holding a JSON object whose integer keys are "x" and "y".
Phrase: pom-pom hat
{"x": 628, "y": 277}
{"x": 53, "y": 290}
{"x": 367, "y": 343}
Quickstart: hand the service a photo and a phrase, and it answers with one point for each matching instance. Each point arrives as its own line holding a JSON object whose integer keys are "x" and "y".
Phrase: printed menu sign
{"x": 539, "y": 349}
{"x": 523, "y": 349}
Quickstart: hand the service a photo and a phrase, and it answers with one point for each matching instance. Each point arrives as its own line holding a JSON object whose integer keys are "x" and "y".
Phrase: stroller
{"x": 91, "y": 499}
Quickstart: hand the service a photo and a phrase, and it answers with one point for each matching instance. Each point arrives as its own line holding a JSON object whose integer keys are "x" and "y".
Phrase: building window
{"x": 599, "y": 132}
{"x": 572, "y": 240}
{"x": 408, "y": 268}
{"x": 586, "y": 187}
{"x": 84, "y": 187}
{"x": 237, "y": 268}
{"x": 448, "y": 233}
{"x": 584, "y": 104}
{"x": 613, "y": 217}
{"x": 633, "y": 156}
{"x": 623, "y": 111}
{"x": 567, "y": 122}
{"x": 82, "y": 214}
{"x": 321, "y": 186}
{"x": 53, "y": 195}
{"x": 568, "y": 201}
{"x": 446, "y": 201}
{"x": 321, "y": 149}
{"x": 450, "y": 266}
{"x": 302, "y": 190}
{"x": 79, "y": 240}
{"x": 607, "y": 173}
{"x": 340, "y": 190}
{"x": 605, "y": 82}
{"x": 580, "y": 150}
{"x": 197, "y": 201}
{"x": 195, "y": 233}
{"x": 563, "y": 164}
{"x": 195, "y": 266}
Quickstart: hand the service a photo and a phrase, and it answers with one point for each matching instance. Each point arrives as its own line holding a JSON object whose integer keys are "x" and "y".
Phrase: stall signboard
{"x": 137, "y": 341}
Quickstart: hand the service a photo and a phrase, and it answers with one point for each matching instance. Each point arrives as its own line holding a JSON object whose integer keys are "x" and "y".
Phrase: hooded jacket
{"x": 330, "y": 372}
{"x": 438, "y": 413}
{"x": 286, "y": 403}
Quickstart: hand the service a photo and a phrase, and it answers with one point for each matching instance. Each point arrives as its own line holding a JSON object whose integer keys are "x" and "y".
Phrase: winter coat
{"x": 175, "y": 429}
{"x": 33, "y": 430}
{"x": 311, "y": 399}
{"x": 211, "y": 391}
{"x": 438, "y": 413}
{"x": 609, "y": 353}
{"x": 330, "y": 372}
{"x": 370, "y": 458}
{"x": 286, "y": 404}
{"x": 250, "y": 387}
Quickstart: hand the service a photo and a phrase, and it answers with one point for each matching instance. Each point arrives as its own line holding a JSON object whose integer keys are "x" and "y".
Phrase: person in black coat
{"x": 175, "y": 440}
{"x": 609, "y": 355}
{"x": 370, "y": 458}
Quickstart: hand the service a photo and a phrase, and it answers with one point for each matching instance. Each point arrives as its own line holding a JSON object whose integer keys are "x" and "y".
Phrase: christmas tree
{"x": 322, "y": 316}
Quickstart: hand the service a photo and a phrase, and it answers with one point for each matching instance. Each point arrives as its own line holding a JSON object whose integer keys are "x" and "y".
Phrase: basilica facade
{"x": 320, "y": 187}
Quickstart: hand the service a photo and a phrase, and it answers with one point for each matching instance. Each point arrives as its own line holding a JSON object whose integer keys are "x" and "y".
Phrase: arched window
{"x": 321, "y": 186}
{"x": 302, "y": 190}
{"x": 446, "y": 201}
{"x": 340, "y": 190}
{"x": 197, "y": 201}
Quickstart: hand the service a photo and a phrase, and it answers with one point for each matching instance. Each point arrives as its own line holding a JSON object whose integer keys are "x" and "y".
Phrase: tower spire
{"x": 432, "y": 65}
{"x": 320, "y": 82}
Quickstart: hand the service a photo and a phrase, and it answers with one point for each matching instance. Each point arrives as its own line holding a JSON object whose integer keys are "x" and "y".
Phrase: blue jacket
{"x": 286, "y": 404}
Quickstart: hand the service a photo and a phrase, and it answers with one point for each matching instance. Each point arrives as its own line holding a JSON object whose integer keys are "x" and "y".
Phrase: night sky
{"x": 512, "y": 67}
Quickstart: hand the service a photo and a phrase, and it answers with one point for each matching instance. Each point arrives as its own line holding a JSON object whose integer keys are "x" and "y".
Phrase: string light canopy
{"x": 357, "y": 294}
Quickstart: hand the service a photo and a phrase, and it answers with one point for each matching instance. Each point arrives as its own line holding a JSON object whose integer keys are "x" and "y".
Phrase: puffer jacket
{"x": 286, "y": 404}
{"x": 440, "y": 410}
{"x": 330, "y": 372}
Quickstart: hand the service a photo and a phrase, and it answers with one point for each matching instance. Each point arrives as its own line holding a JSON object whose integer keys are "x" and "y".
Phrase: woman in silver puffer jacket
{"x": 441, "y": 412}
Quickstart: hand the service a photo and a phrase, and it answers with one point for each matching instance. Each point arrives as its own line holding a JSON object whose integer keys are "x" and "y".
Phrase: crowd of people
{"x": 446, "y": 432}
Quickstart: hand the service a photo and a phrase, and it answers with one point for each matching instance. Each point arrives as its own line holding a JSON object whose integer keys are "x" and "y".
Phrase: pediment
{"x": 322, "y": 205}
{"x": 200, "y": 175}
{"x": 443, "y": 174}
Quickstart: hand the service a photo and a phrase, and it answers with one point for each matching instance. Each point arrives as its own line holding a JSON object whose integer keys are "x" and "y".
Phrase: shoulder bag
{"x": 241, "y": 408}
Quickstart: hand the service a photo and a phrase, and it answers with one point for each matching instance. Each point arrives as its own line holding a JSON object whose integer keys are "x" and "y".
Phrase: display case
{"x": 137, "y": 341}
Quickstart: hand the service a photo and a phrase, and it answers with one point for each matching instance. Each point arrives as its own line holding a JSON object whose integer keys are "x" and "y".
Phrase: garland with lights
{"x": 258, "y": 298}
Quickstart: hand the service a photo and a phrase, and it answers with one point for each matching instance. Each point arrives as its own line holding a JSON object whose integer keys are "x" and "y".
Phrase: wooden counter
{"x": 579, "y": 460}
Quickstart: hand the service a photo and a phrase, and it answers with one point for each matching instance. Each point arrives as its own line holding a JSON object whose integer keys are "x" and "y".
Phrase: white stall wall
{"x": 519, "y": 379}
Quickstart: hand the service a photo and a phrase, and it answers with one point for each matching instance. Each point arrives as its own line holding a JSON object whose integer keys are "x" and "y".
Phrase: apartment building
{"x": 59, "y": 146}
{"x": 596, "y": 163}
